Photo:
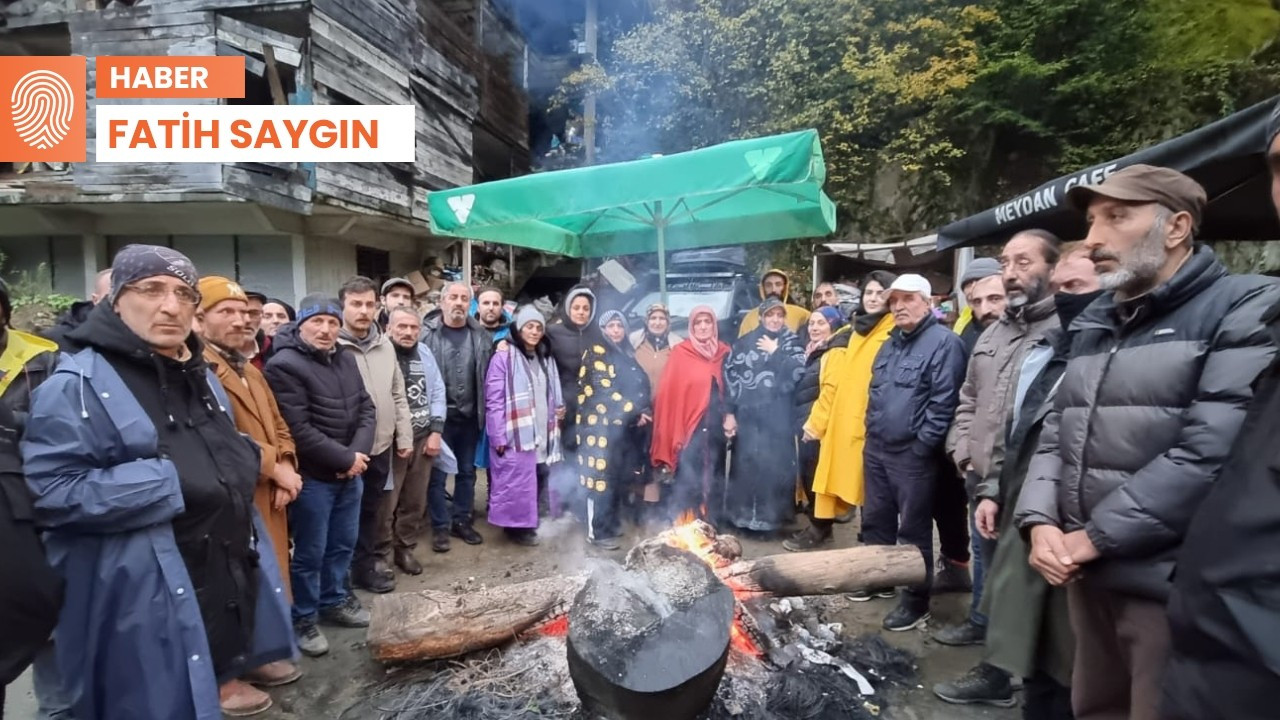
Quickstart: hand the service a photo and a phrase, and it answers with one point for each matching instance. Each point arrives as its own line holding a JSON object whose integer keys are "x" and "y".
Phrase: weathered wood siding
{"x": 146, "y": 30}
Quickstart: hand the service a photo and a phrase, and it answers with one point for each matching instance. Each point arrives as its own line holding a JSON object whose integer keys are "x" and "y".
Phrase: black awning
{"x": 1226, "y": 157}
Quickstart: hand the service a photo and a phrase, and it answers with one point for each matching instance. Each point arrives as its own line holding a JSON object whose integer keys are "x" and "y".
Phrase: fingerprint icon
{"x": 43, "y": 105}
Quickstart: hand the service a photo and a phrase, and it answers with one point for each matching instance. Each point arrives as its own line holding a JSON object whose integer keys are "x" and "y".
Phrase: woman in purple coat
{"x": 524, "y": 409}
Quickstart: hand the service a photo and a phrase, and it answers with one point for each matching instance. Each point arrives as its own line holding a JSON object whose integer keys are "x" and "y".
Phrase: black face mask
{"x": 1070, "y": 305}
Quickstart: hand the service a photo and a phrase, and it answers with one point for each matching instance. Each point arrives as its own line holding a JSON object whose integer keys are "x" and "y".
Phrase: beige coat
{"x": 986, "y": 397}
{"x": 380, "y": 370}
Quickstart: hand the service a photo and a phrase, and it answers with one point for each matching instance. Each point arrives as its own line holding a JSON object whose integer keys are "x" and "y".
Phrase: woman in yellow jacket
{"x": 838, "y": 418}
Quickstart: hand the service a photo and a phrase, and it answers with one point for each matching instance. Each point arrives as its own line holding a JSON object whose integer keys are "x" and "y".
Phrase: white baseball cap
{"x": 911, "y": 283}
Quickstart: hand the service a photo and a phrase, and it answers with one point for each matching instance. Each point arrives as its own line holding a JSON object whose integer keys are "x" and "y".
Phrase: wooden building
{"x": 282, "y": 228}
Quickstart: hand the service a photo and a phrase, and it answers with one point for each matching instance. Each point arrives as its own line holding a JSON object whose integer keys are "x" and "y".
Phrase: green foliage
{"x": 28, "y": 289}
{"x": 931, "y": 109}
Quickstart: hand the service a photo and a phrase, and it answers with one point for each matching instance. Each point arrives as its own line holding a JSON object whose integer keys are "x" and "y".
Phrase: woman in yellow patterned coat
{"x": 613, "y": 400}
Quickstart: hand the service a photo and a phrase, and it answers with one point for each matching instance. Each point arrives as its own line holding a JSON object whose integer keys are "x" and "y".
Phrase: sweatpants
{"x": 1122, "y": 645}
{"x": 898, "y": 506}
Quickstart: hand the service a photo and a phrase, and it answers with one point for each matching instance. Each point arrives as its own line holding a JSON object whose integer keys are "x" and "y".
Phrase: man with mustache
{"x": 1222, "y": 612}
{"x": 1162, "y": 368}
{"x": 976, "y": 441}
{"x": 461, "y": 347}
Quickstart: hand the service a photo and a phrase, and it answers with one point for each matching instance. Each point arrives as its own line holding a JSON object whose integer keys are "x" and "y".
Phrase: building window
{"x": 373, "y": 263}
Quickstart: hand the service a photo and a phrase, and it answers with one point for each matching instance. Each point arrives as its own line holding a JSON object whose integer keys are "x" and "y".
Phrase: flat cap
{"x": 1146, "y": 184}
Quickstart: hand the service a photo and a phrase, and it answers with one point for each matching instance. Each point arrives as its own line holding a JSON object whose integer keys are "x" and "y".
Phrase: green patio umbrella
{"x": 737, "y": 192}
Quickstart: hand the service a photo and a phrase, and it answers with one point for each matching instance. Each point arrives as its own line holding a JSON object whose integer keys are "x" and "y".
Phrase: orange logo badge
{"x": 42, "y": 109}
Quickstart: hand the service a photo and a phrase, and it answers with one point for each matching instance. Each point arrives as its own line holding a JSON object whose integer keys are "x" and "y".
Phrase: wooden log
{"x": 430, "y": 624}
{"x": 827, "y": 572}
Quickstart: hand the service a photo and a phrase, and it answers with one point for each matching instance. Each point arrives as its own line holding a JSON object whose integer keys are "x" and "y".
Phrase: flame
{"x": 698, "y": 538}
{"x": 739, "y": 640}
{"x": 556, "y": 627}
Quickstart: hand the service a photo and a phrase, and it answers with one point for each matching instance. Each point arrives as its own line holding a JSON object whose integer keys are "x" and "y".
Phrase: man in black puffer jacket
{"x": 1161, "y": 370}
{"x": 323, "y": 400}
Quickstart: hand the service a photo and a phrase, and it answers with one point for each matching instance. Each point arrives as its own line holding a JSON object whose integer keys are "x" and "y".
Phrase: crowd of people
{"x": 197, "y": 476}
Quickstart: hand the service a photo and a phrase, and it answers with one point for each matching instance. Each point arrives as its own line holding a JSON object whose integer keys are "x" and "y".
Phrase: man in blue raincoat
{"x": 145, "y": 488}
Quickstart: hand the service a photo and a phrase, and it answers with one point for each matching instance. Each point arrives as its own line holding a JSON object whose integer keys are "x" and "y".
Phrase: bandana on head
{"x": 139, "y": 262}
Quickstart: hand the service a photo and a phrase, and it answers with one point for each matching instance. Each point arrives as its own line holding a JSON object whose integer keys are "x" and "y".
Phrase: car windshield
{"x": 681, "y": 304}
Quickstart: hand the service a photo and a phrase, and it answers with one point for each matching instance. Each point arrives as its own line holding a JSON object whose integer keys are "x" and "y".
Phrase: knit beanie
{"x": 139, "y": 262}
{"x": 527, "y": 314}
{"x": 979, "y": 269}
{"x": 215, "y": 288}
{"x": 318, "y": 304}
{"x": 610, "y": 315}
{"x": 288, "y": 309}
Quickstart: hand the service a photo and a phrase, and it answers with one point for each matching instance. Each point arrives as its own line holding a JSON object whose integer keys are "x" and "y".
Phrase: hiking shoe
{"x": 809, "y": 539}
{"x": 310, "y": 640}
{"x": 440, "y": 541}
{"x": 951, "y": 577}
{"x": 374, "y": 581}
{"x": 906, "y": 617}
{"x": 607, "y": 543}
{"x": 525, "y": 538}
{"x": 240, "y": 699}
{"x": 865, "y": 595}
{"x": 984, "y": 684}
{"x": 407, "y": 562}
{"x": 966, "y": 633}
{"x": 349, "y": 614}
{"x": 467, "y": 534}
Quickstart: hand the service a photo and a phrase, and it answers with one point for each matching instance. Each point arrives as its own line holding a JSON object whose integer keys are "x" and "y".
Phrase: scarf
{"x": 865, "y": 323}
{"x": 520, "y": 409}
{"x": 658, "y": 342}
{"x": 623, "y": 347}
{"x": 683, "y": 397}
{"x": 710, "y": 347}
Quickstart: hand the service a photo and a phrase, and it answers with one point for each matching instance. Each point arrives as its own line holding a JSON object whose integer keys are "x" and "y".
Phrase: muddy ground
{"x": 335, "y": 683}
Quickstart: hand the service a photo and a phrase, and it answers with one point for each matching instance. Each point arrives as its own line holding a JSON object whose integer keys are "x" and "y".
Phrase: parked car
{"x": 720, "y": 280}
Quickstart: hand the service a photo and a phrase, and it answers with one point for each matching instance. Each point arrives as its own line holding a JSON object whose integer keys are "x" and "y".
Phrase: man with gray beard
{"x": 1161, "y": 370}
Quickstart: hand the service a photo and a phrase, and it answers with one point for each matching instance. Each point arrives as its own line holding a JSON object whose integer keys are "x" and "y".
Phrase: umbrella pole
{"x": 661, "y": 224}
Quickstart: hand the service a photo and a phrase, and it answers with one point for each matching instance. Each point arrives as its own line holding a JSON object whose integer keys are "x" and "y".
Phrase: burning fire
{"x": 699, "y": 538}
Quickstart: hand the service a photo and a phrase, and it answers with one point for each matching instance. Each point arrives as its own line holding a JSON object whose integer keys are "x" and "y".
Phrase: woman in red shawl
{"x": 688, "y": 429}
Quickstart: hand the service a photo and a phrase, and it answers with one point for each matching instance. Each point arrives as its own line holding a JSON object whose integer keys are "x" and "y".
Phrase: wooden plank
{"x": 382, "y": 24}
{"x": 273, "y": 76}
{"x": 267, "y": 182}
{"x": 343, "y": 75}
{"x": 136, "y": 18}
{"x": 251, "y": 38}
{"x": 251, "y": 63}
{"x": 326, "y": 33}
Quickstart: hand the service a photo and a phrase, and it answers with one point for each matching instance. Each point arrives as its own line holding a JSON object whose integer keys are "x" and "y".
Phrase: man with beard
{"x": 776, "y": 284}
{"x": 461, "y": 347}
{"x": 976, "y": 440}
{"x": 824, "y": 295}
{"x": 376, "y": 358}
{"x": 424, "y": 389}
{"x": 1222, "y": 613}
{"x": 396, "y": 292}
{"x": 79, "y": 312}
{"x": 487, "y": 308}
{"x": 983, "y": 288}
{"x": 1162, "y": 368}
{"x": 1029, "y": 633}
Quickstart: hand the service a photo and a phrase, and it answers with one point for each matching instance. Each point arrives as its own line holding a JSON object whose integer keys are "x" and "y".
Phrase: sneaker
{"x": 440, "y": 541}
{"x": 865, "y": 595}
{"x": 951, "y": 577}
{"x": 906, "y": 617}
{"x": 240, "y": 699}
{"x": 810, "y": 539}
{"x": 349, "y": 614}
{"x": 984, "y": 684}
{"x": 467, "y": 534}
{"x": 966, "y": 633}
{"x": 310, "y": 640}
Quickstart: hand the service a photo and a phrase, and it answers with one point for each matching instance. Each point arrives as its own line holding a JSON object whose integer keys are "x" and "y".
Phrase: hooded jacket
{"x": 380, "y": 369}
{"x": 70, "y": 320}
{"x": 145, "y": 488}
{"x": 26, "y": 362}
{"x": 987, "y": 392}
{"x": 568, "y": 344}
{"x": 797, "y": 317}
{"x": 323, "y": 400}
{"x": 1149, "y": 406}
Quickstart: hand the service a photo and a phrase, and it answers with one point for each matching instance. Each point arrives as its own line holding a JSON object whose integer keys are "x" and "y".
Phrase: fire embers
{"x": 650, "y": 640}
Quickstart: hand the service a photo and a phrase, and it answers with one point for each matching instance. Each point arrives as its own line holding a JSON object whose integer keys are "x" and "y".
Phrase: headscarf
{"x": 709, "y": 347}
{"x": 609, "y": 316}
{"x": 834, "y": 319}
{"x": 769, "y": 304}
{"x": 658, "y": 342}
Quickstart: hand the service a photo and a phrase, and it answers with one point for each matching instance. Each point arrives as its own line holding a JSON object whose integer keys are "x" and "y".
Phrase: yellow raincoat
{"x": 838, "y": 419}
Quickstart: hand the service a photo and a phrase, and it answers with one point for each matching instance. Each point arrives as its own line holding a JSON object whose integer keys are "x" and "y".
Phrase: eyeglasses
{"x": 159, "y": 291}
